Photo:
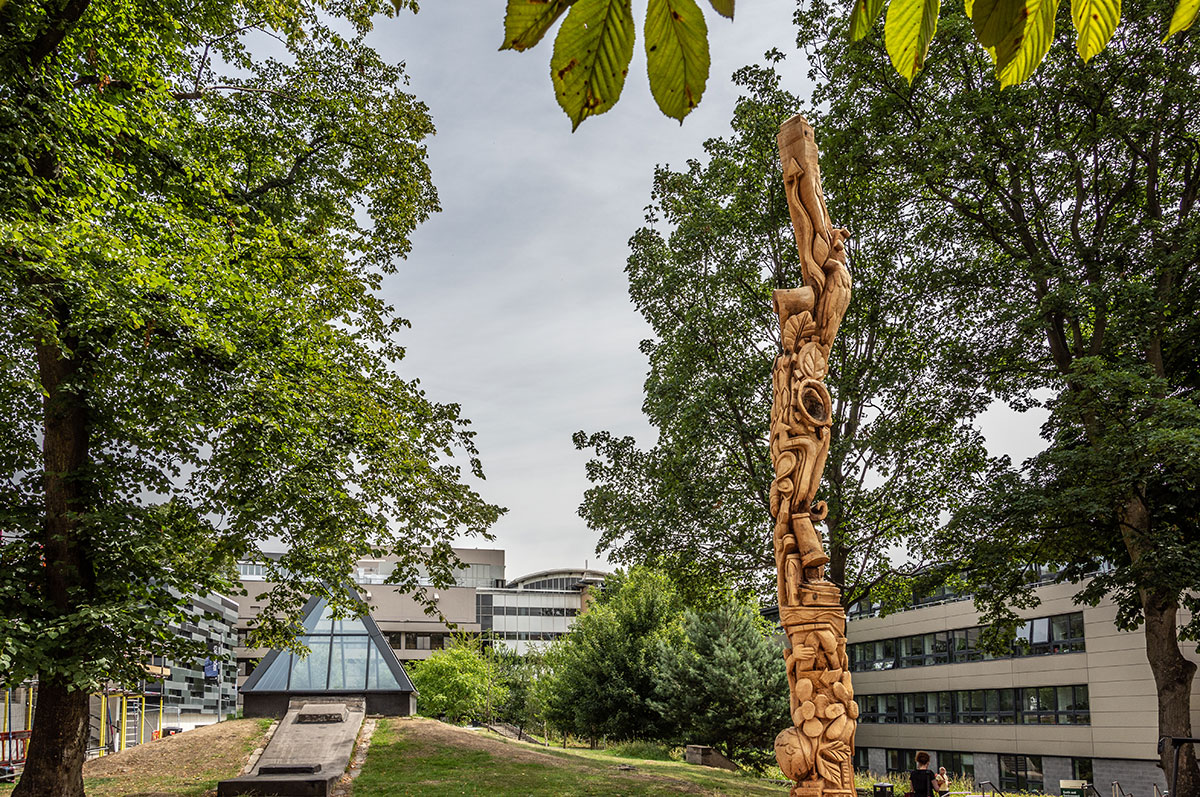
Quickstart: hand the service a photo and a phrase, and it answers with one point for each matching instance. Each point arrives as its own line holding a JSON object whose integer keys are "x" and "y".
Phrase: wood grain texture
{"x": 817, "y": 752}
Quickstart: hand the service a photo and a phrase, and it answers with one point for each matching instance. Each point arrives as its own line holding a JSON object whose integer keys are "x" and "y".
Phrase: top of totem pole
{"x": 796, "y": 140}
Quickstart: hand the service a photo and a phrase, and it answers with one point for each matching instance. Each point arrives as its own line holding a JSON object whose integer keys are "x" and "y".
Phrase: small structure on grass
{"x": 349, "y": 658}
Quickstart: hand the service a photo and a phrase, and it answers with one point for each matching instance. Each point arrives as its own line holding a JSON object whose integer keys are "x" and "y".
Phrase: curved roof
{"x": 590, "y": 576}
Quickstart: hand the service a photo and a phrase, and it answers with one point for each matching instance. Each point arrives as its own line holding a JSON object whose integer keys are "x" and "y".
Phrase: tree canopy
{"x": 718, "y": 240}
{"x": 1084, "y": 184}
{"x": 194, "y": 358}
{"x": 724, "y": 685}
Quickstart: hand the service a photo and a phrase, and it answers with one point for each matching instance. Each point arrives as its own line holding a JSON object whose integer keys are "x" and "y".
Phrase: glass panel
{"x": 379, "y": 675}
{"x": 320, "y": 619}
{"x": 348, "y": 669}
{"x": 310, "y": 672}
{"x": 275, "y": 678}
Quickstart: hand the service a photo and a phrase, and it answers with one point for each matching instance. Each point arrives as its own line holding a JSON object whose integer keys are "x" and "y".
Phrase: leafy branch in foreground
{"x": 594, "y": 46}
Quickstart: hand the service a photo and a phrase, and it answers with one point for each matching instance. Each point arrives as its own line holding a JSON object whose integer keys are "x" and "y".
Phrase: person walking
{"x": 941, "y": 782}
{"x": 922, "y": 779}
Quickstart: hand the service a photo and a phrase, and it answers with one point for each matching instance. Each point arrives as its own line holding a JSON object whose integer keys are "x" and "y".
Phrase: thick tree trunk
{"x": 1173, "y": 676}
{"x": 58, "y": 745}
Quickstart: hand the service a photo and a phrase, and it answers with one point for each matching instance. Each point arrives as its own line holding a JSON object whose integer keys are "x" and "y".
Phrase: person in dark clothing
{"x": 922, "y": 778}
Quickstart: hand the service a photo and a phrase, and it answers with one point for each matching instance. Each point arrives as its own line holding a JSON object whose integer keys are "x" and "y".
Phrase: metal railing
{"x": 1118, "y": 791}
{"x": 983, "y": 788}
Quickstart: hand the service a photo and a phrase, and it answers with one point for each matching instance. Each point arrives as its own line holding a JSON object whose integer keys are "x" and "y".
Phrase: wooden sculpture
{"x": 817, "y": 753}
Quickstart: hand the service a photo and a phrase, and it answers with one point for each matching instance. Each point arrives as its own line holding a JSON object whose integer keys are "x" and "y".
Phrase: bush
{"x": 647, "y": 751}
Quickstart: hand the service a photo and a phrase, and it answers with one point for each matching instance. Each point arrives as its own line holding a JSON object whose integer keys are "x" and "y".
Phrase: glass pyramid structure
{"x": 348, "y": 656}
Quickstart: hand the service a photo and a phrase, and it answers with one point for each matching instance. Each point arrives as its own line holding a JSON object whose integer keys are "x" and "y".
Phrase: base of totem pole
{"x": 819, "y": 788}
{"x": 817, "y": 752}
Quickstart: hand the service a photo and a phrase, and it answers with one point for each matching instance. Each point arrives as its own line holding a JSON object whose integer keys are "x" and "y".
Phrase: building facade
{"x": 1075, "y": 700}
{"x": 515, "y": 614}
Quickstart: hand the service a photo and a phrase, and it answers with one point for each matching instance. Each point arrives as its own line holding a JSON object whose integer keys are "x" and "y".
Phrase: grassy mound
{"x": 432, "y": 759}
{"x": 187, "y": 765}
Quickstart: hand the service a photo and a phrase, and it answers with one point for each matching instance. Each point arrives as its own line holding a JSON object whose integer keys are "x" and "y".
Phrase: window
{"x": 1035, "y": 637}
{"x": 877, "y": 655}
{"x": 869, "y": 709}
{"x": 1021, "y": 773}
{"x": 958, "y": 764}
{"x": 1081, "y": 769}
{"x": 901, "y": 760}
{"x": 861, "y": 763}
{"x": 1055, "y": 705}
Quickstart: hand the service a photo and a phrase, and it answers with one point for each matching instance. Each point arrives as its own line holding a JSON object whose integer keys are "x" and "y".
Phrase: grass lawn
{"x": 187, "y": 765}
{"x": 425, "y": 757}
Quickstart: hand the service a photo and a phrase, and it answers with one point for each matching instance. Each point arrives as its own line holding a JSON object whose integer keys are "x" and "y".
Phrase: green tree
{"x": 193, "y": 355}
{"x": 724, "y": 687}
{"x": 603, "y": 679}
{"x": 1084, "y": 183}
{"x": 718, "y": 240}
{"x": 461, "y": 683}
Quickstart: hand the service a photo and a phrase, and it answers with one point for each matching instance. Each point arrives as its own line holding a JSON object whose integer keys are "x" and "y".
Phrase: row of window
{"x": 527, "y": 611}
{"x": 1017, "y": 772}
{"x": 1039, "y": 705}
{"x": 1061, "y": 633}
{"x": 1039, "y": 574}
{"x": 557, "y": 584}
{"x": 409, "y": 640}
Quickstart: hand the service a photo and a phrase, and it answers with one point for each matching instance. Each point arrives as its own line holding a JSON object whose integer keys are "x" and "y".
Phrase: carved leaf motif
{"x": 830, "y": 759}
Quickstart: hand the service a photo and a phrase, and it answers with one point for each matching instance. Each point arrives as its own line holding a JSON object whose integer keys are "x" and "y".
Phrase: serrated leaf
{"x": 1183, "y": 18}
{"x": 997, "y": 20}
{"x": 676, "y": 55}
{"x": 1016, "y": 60}
{"x": 526, "y": 21}
{"x": 863, "y": 17}
{"x": 591, "y": 57}
{"x": 909, "y": 28}
{"x": 1095, "y": 22}
{"x": 723, "y": 7}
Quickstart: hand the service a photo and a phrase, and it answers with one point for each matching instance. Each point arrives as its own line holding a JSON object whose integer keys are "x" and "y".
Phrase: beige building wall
{"x": 1121, "y": 690}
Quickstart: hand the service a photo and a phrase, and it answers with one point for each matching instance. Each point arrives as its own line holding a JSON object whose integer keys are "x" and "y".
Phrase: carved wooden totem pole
{"x": 818, "y": 752}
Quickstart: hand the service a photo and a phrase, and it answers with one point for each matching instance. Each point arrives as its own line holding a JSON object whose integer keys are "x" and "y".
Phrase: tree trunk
{"x": 58, "y": 743}
{"x": 54, "y": 767}
{"x": 1173, "y": 675}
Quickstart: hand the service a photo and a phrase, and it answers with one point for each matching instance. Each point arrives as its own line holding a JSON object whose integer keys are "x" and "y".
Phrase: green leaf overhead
{"x": 997, "y": 20}
{"x": 863, "y": 17}
{"x": 1016, "y": 58}
{"x": 676, "y": 55}
{"x": 723, "y": 7}
{"x": 1095, "y": 21}
{"x": 909, "y": 28}
{"x": 1184, "y": 17}
{"x": 591, "y": 57}
{"x": 526, "y": 21}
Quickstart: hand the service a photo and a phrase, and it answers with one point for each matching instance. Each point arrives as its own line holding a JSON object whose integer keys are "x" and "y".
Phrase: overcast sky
{"x": 516, "y": 291}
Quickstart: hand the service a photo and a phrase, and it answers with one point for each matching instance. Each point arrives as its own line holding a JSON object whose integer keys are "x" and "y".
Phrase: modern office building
{"x": 528, "y": 610}
{"x": 1074, "y": 701}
